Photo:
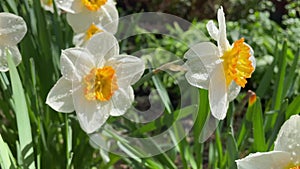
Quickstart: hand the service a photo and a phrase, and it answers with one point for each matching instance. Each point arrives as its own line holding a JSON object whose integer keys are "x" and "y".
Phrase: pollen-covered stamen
{"x": 93, "y": 5}
{"x": 93, "y": 29}
{"x": 101, "y": 83}
{"x": 296, "y": 167}
{"x": 236, "y": 63}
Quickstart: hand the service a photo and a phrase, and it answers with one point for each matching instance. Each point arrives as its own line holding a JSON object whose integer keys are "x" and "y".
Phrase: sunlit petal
{"x": 60, "y": 96}
{"x": 68, "y": 61}
{"x": 212, "y": 30}
{"x": 218, "y": 98}
{"x": 129, "y": 69}
{"x": 201, "y": 61}
{"x": 109, "y": 46}
{"x": 15, "y": 53}
{"x": 223, "y": 43}
{"x": 70, "y": 6}
{"x": 233, "y": 91}
{"x": 91, "y": 114}
{"x": 12, "y": 29}
{"x": 108, "y": 18}
{"x": 80, "y": 22}
{"x": 288, "y": 138}
{"x": 121, "y": 101}
{"x": 274, "y": 160}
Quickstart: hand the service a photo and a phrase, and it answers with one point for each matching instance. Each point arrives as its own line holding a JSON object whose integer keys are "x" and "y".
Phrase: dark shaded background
{"x": 203, "y": 9}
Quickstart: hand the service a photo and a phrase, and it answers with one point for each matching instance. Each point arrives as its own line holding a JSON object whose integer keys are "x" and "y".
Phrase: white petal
{"x": 68, "y": 60}
{"x": 270, "y": 160}
{"x": 12, "y": 29}
{"x": 103, "y": 45}
{"x": 121, "y": 101}
{"x": 212, "y": 30}
{"x": 84, "y": 63}
{"x": 223, "y": 43}
{"x": 16, "y": 56}
{"x": 288, "y": 138}
{"x": 71, "y": 6}
{"x": 78, "y": 40}
{"x": 108, "y": 18}
{"x": 201, "y": 61}
{"x": 80, "y": 22}
{"x": 217, "y": 93}
{"x": 252, "y": 58}
{"x": 91, "y": 114}
{"x": 60, "y": 96}
{"x": 129, "y": 69}
{"x": 111, "y": 2}
{"x": 233, "y": 91}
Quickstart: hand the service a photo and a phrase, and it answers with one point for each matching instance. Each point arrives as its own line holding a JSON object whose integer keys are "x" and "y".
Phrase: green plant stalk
{"x": 20, "y": 105}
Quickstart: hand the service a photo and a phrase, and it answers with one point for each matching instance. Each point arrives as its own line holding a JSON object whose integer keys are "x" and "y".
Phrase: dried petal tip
{"x": 252, "y": 97}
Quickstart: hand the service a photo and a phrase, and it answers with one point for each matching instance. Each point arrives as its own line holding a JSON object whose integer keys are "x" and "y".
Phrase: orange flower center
{"x": 93, "y": 29}
{"x": 237, "y": 65}
{"x": 101, "y": 83}
{"x": 297, "y": 167}
{"x": 93, "y": 5}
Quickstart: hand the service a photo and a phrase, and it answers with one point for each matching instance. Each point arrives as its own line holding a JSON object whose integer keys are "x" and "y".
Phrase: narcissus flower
{"x": 96, "y": 82}
{"x": 221, "y": 69}
{"x": 88, "y": 17}
{"x": 12, "y": 30}
{"x": 286, "y": 153}
{"x": 47, "y": 5}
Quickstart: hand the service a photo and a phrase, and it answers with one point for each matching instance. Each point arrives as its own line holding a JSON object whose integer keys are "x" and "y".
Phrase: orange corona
{"x": 93, "y": 5}
{"x": 93, "y": 29}
{"x": 236, "y": 63}
{"x": 101, "y": 83}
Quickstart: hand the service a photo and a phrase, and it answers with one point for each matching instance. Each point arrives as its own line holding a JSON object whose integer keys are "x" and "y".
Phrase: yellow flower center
{"x": 93, "y": 29}
{"x": 49, "y": 2}
{"x": 93, "y": 5}
{"x": 237, "y": 65}
{"x": 101, "y": 83}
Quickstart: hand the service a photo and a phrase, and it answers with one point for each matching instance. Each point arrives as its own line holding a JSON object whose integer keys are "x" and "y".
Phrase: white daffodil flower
{"x": 48, "y": 6}
{"x": 96, "y": 82}
{"x": 88, "y": 17}
{"x": 286, "y": 154}
{"x": 222, "y": 69}
{"x": 12, "y": 30}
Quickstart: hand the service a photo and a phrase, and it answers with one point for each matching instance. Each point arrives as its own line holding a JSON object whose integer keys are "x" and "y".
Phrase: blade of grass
{"x": 279, "y": 83}
{"x": 162, "y": 93}
{"x": 231, "y": 150}
{"x": 258, "y": 129}
{"x": 293, "y": 108}
{"x": 279, "y": 121}
{"x": 23, "y": 122}
{"x": 6, "y": 159}
{"x": 291, "y": 75}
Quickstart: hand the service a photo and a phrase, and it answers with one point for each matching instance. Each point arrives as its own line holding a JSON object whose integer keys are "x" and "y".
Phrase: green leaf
{"x": 278, "y": 91}
{"x": 293, "y": 108}
{"x": 162, "y": 93}
{"x": 258, "y": 128}
{"x": 6, "y": 159}
{"x": 232, "y": 151}
{"x": 20, "y": 106}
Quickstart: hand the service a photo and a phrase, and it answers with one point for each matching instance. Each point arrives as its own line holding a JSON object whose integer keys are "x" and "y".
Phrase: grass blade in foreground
{"x": 5, "y": 160}
{"x": 23, "y": 123}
